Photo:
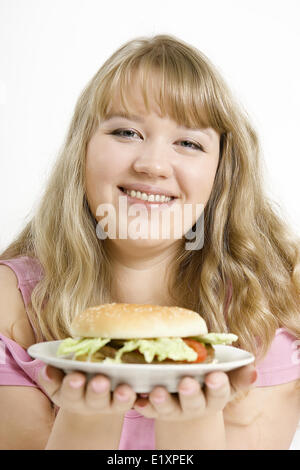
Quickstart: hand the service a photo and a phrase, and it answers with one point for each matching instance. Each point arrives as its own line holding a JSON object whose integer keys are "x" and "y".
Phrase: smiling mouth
{"x": 146, "y": 197}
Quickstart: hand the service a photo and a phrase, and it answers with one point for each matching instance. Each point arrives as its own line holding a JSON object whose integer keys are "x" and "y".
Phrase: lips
{"x": 146, "y": 202}
{"x": 145, "y": 188}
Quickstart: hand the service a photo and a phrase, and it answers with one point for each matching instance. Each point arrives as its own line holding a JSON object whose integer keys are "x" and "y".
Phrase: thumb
{"x": 50, "y": 379}
{"x": 242, "y": 378}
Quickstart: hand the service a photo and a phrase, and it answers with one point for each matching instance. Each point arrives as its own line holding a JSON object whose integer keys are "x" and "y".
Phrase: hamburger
{"x": 141, "y": 334}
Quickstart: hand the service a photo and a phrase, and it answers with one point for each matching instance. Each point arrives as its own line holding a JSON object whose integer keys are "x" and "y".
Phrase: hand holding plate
{"x": 194, "y": 402}
{"x": 72, "y": 393}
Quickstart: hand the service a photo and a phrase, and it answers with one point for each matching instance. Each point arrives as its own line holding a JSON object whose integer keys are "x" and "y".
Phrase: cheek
{"x": 98, "y": 170}
{"x": 102, "y": 171}
{"x": 101, "y": 162}
{"x": 198, "y": 180}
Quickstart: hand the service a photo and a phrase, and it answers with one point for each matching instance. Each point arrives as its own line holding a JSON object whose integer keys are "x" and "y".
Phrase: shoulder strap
{"x": 29, "y": 272}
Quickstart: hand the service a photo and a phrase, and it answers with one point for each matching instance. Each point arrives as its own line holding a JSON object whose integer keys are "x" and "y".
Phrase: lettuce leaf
{"x": 172, "y": 348}
{"x": 216, "y": 338}
{"x": 163, "y": 348}
{"x": 81, "y": 346}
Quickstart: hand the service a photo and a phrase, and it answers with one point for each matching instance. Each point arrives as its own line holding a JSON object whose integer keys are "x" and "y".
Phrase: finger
{"x": 191, "y": 397}
{"x": 123, "y": 398}
{"x": 73, "y": 387}
{"x": 217, "y": 391}
{"x": 242, "y": 378}
{"x": 165, "y": 404}
{"x": 98, "y": 393}
{"x": 50, "y": 379}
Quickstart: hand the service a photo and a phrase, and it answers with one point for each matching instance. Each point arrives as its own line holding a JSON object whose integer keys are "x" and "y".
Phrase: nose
{"x": 153, "y": 161}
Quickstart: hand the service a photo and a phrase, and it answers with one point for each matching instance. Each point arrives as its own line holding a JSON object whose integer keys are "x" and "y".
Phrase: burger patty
{"x": 135, "y": 357}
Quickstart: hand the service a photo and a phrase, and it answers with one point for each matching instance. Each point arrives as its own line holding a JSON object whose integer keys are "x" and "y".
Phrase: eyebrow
{"x": 136, "y": 118}
{"x": 121, "y": 114}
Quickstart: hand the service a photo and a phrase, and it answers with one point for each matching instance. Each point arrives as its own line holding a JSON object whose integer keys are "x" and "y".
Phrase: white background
{"x": 49, "y": 49}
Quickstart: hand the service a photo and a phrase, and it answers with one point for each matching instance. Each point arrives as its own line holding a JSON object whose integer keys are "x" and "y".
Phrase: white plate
{"x": 143, "y": 377}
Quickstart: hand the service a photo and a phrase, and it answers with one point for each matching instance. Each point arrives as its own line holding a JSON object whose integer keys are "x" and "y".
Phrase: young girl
{"x": 157, "y": 118}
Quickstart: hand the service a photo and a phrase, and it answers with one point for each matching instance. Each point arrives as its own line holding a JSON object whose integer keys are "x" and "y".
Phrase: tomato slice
{"x": 198, "y": 347}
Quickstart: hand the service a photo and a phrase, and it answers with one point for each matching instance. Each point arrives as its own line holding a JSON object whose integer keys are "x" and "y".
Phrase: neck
{"x": 141, "y": 275}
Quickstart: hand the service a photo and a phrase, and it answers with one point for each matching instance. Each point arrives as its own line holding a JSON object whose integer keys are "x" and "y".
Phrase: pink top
{"x": 281, "y": 365}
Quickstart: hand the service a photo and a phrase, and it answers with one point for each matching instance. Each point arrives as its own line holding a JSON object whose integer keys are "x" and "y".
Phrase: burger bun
{"x": 125, "y": 321}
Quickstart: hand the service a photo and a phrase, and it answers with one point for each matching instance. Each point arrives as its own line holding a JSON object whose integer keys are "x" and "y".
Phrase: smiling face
{"x": 149, "y": 149}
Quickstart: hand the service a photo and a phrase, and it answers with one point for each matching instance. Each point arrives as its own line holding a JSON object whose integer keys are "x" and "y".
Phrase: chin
{"x": 143, "y": 243}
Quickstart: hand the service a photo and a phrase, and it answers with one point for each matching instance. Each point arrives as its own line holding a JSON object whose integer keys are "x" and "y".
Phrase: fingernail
{"x": 188, "y": 387}
{"x": 45, "y": 375}
{"x": 76, "y": 383}
{"x": 215, "y": 383}
{"x": 159, "y": 398}
{"x": 122, "y": 397}
{"x": 187, "y": 391}
{"x": 99, "y": 386}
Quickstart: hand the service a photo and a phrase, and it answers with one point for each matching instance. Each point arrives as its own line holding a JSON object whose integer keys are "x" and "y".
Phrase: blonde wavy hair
{"x": 246, "y": 242}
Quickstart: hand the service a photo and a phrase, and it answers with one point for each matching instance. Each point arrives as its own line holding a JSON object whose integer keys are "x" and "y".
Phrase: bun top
{"x": 125, "y": 321}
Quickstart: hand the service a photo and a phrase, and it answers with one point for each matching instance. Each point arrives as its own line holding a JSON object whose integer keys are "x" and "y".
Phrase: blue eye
{"x": 119, "y": 132}
{"x": 195, "y": 146}
{"x": 122, "y": 133}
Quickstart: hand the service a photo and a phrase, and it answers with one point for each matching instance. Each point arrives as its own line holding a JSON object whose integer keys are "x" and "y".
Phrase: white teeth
{"x": 146, "y": 197}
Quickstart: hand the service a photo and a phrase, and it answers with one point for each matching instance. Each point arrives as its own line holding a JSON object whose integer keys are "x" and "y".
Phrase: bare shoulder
{"x": 247, "y": 406}
{"x": 14, "y": 322}
{"x": 27, "y": 418}
{"x": 27, "y": 415}
{"x": 265, "y": 418}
